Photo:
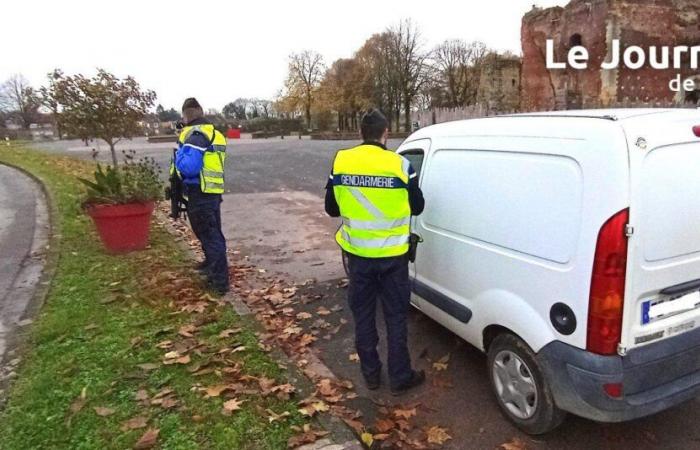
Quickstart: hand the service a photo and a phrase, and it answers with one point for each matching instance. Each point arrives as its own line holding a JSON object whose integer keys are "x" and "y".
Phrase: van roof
{"x": 607, "y": 114}
{"x": 581, "y": 120}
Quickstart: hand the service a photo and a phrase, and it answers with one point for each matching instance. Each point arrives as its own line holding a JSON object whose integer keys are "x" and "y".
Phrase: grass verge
{"x": 128, "y": 345}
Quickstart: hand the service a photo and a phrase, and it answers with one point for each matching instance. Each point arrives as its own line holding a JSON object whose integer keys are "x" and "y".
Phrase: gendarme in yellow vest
{"x": 211, "y": 177}
{"x": 371, "y": 187}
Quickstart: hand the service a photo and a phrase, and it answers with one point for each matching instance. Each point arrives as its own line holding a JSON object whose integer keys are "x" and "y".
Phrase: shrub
{"x": 133, "y": 182}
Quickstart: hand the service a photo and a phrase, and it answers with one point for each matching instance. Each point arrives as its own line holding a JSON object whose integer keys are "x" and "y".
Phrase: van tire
{"x": 546, "y": 416}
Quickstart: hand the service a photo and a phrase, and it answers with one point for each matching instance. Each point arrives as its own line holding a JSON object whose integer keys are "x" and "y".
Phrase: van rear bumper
{"x": 654, "y": 377}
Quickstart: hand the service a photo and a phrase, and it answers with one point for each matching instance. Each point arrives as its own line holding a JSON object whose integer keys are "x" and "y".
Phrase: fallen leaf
{"x": 304, "y": 316}
{"x": 441, "y": 364}
{"x": 168, "y": 403}
{"x": 229, "y": 332}
{"x": 354, "y": 357}
{"x": 273, "y": 416}
{"x": 175, "y": 358}
{"x": 437, "y": 435}
{"x": 292, "y": 330}
{"x": 367, "y": 439}
{"x": 404, "y": 413}
{"x": 323, "y": 311}
{"x": 215, "y": 391}
{"x": 134, "y": 423}
{"x": 79, "y": 402}
{"x": 355, "y": 425}
{"x": 103, "y": 412}
{"x": 148, "y": 440}
{"x": 187, "y": 330}
{"x": 514, "y": 444}
{"x": 232, "y": 405}
{"x": 77, "y": 405}
{"x": 384, "y": 425}
{"x": 326, "y": 388}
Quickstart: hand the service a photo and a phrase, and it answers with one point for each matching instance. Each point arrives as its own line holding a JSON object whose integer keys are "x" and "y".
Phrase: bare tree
{"x": 409, "y": 64}
{"x": 457, "y": 70}
{"x": 19, "y": 100}
{"x": 306, "y": 71}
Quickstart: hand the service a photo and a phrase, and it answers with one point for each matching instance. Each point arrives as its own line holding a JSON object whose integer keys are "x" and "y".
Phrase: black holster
{"x": 413, "y": 242}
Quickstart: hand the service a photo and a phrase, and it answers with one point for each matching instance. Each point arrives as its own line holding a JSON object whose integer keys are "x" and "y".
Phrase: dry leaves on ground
{"x": 148, "y": 439}
{"x": 134, "y": 423}
{"x": 231, "y": 405}
{"x": 103, "y": 412}
{"x": 437, "y": 435}
{"x": 514, "y": 444}
{"x": 441, "y": 364}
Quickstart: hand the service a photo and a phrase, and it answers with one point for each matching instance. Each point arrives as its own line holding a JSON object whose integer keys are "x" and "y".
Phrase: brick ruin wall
{"x": 594, "y": 24}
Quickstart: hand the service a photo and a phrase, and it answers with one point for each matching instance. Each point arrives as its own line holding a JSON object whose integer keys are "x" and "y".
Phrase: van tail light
{"x": 608, "y": 286}
{"x": 696, "y": 130}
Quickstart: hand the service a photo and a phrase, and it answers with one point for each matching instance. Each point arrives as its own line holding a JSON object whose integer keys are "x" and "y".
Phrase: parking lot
{"x": 273, "y": 215}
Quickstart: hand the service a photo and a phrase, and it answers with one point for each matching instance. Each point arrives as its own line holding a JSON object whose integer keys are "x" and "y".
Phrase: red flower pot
{"x": 122, "y": 228}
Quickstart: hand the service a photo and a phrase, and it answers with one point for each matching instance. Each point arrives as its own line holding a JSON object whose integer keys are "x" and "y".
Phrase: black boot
{"x": 416, "y": 380}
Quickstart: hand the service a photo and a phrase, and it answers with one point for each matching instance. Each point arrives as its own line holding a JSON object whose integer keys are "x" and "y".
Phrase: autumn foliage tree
{"x": 306, "y": 70}
{"x": 103, "y": 107}
{"x": 392, "y": 71}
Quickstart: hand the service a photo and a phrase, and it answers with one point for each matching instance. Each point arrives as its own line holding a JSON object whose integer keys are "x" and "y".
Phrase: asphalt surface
{"x": 23, "y": 239}
{"x": 273, "y": 217}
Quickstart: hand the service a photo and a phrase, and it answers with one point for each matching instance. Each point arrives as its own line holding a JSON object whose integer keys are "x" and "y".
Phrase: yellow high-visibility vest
{"x": 211, "y": 177}
{"x": 371, "y": 187}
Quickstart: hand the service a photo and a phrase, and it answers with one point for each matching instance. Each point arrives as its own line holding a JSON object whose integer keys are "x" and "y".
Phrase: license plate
{"x": 653, "y": 310}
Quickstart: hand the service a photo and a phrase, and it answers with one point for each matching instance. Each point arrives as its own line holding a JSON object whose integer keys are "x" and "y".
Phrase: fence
{"x": 428, "y": 117}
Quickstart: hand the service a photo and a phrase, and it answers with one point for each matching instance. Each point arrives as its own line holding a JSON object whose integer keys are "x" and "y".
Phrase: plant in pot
{"x": 120, "y": 202}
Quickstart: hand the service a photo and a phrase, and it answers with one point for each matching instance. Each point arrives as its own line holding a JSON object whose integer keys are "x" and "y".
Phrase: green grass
{"x": 99, "y": 323}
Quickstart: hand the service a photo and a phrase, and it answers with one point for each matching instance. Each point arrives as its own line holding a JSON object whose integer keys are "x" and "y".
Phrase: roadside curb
{"x": 342, "y": 437}
{"x": 50, "y": 254}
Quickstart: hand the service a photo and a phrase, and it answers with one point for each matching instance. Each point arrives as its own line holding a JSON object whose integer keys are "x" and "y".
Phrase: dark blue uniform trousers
{"x": 386, "y": 279}
{"x": 204, "y": 211}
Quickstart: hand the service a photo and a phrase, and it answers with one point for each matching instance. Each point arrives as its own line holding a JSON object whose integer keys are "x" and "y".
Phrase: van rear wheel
{"x": 521, "y": 389}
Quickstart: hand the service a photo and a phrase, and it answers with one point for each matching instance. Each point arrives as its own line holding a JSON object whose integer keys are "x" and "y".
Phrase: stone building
{"x": 499, "y": 83}
{"x": 595, "y": 24}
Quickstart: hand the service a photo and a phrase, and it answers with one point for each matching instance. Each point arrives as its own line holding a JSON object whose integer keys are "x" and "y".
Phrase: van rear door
{"x": 662, "y": 294}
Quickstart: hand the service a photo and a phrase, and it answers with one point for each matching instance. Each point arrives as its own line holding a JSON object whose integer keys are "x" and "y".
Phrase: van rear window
{"x": 525, "y": 203}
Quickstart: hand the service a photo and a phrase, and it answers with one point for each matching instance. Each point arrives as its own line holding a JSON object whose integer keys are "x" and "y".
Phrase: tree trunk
{"x": 114, "y": 153}
{"x": 307, "y": 113}
{"x": 407, "y": 115}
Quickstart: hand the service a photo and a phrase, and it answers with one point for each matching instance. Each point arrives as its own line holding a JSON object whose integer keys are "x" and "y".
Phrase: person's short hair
{"x": 373, "y": 125}
{"x": 191, "y": 110}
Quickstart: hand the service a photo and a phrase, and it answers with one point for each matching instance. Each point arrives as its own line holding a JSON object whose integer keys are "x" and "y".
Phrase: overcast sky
{"x": 221, "y": 50}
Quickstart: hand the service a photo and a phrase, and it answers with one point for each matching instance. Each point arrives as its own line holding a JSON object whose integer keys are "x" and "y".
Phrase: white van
{"x": 567, "y": 247}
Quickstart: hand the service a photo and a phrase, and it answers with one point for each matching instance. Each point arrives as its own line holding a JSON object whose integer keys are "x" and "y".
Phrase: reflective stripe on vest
{"x": 378, "y": 224}
{"x": 390, "y": 241}
{"x": 370, "y": 186}
{"x": 211, "y": 176}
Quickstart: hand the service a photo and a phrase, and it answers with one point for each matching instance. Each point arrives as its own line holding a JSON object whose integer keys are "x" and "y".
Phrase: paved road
{"x": 23, "y": 240}
{"x": 273, "y": 216}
